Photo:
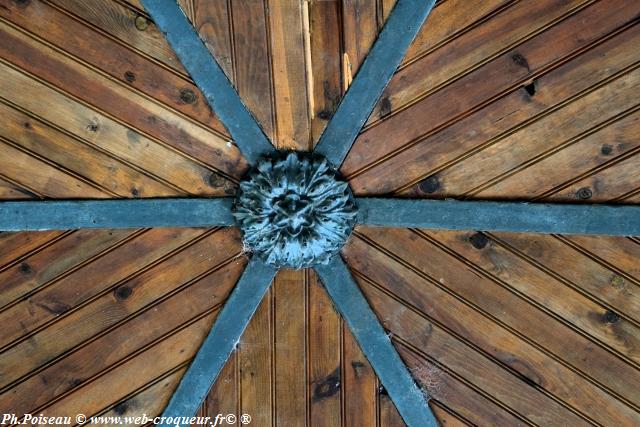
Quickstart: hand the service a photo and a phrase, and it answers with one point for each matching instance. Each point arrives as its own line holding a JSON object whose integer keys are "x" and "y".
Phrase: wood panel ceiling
{"x": 503, "y": 99}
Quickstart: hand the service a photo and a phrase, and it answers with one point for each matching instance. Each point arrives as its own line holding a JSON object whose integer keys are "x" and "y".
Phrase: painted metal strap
{"x": 613, "y": 220}
{"x": 124, "y": 213}
{"x": 374, "y": 74}
{"x": 210, "y": 78}
{"x": 221, "y": 341}
{"x": 375, "y": 344}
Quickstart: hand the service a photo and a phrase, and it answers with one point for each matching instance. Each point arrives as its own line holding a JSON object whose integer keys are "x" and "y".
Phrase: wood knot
{"x": 610, "y": 317}
{"x": 584, "y": 193}
{"x": 130, "y": 76}
{"x": 328, "y": 387}
{"x": 429, "y": 185}
{"x": 122, "y": 293}
{"x": 188, "y": 96}
{"x": 479, "y": 240}
{"x": 141, "y": 23}
{"x": 25, "y": 268}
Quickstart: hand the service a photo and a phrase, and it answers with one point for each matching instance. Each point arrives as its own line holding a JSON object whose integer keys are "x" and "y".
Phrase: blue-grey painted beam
{"x": 121, "y": 213}
{"x": 375, "y": 344}
{"x": 222, "y": 339}
{"x": 374, "y": 74}
{"x": 210, "y": 78}
{"x": 612, "y": 220}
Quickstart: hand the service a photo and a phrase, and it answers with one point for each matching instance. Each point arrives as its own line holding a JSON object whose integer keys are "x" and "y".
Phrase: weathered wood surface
{"x": 495, "y": 99}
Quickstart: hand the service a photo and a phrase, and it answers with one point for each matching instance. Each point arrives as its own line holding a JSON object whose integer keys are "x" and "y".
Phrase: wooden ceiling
{"x": 504, "y": 99}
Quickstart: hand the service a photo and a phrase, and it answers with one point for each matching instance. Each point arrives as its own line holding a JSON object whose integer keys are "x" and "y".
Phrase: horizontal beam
{"x": 375, "y": 344}
{"x": 612, "y": 220}
{"x": 374, "y": 74}
{"x": 218, "y": 345}
{"x": 210, "y": 78}
{"x": 120, "y": 213}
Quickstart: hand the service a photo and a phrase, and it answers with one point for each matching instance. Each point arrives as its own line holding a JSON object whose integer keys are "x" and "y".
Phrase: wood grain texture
{"x": 496, "y": 99}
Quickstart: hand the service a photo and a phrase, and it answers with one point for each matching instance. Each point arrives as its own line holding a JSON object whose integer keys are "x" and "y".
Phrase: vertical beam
{"x": 375, "y": 344}
{"x": 210, "y": 78}
{"x": 218, "y": 345}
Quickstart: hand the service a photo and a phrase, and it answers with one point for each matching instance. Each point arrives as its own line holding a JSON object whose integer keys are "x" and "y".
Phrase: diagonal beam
{"x": 121, "y": 213}
{"x": 613, "y": 220}
{"x": 218, "y": 345}
{"x": 374, "y": 74}
{"x": 210, "y": 78}
{"x": 375, "y": 344}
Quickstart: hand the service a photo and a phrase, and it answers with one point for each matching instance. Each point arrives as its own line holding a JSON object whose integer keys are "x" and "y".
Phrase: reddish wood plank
{"x": 255, "y": 356}
{"x": 54, "y": 263}
{"x": 252, "y": 59}
{"x": 119, "y": 102}
{"x": 326, "y": 60}
{"x": 104, "y": 171}
{"x": 290, "y": 352}
{"x": 497, "y": 76}
{"x": 511, "y": 350}
{"x": 82, "y": 41}
{"x": 550, "y": 295}
{"x": 87, "y": 363}
{"x": 324, "y": 360}
{"x": 15, "y": 246}
{"x": 501, "y": 117}
{"x": 120, "y": 273}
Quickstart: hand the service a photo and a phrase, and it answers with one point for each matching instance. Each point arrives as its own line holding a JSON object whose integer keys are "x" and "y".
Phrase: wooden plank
{"x": 389, "y": 416}
{"x": 545, "y": 136}
{"x": 539, "y": 370}
{"x": 119, "y": 21}
{"x": 149, "y": 401}
{"x": 448, "y": 20}
{"x": 507, "y": 29}
{"x": 119, "y": 274}
{"x": 88, "y": 44}
{"x": 450, "y": 387}
{"x": 480, "y": 410}
{"x": 16, "y": 246}
{"x": 559, "y": 167}
{"x": 359, "y": 29}
{"x": 502, "y": 74}
{"x": 55, "y": 262}
{"x": 89, "y": 362}
{"x": 212, "y": 20}
{"x": 324, "y": 357}
{"x": 224, "y": 396}
{"x": 552, "y": 296}
{"x": 424, "y": 159}
{"x": 43, "y": 177}
{"x": 12, "y": 191}
{"x": 326, "y": 60}
{"x": 256, "y": 365}
{"x": 618, "y": 253}
{"x": 252, "y": 60}
{"x": 612, "y": 183}
{"x": 288, "y": 61}
{"x": 583, "y": 274}
{"x": 165, "y": 356}
{"x": 94, "y": 128}
{"x": 360, "y": 384}
{"x": 290, "y": 352}
{"x": 116, "y": 100}
{"x": 34, "y": 136}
